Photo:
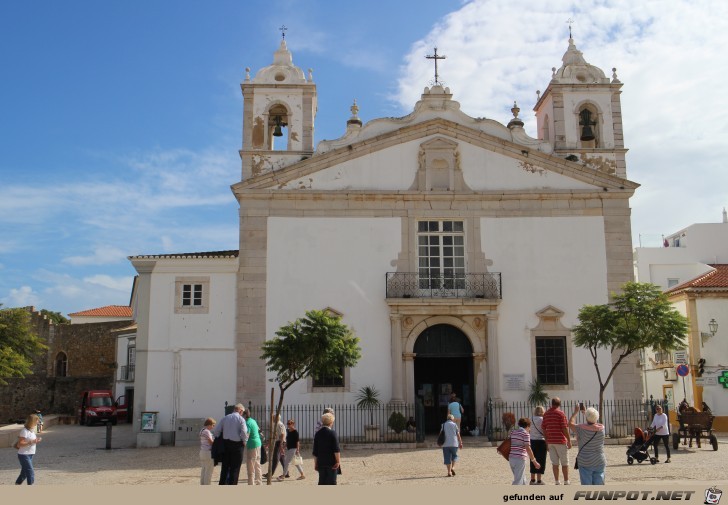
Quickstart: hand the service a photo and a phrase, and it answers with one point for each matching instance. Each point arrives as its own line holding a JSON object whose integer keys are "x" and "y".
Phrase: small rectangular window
{"x": 192, "y": 295}
{"x": 672, "y": 282}
{"x": 329, "y": 381}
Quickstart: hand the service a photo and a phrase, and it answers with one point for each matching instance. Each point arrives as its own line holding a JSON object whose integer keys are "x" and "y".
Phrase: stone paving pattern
{"x": 72, "y": 454}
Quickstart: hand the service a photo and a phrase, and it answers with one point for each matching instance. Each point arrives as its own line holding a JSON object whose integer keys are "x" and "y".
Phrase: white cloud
{"x": 671, "y": 62}
{"x": 116, "y": 283}
{"x": 104, "y": 255}
{"x": 21, "y": 297}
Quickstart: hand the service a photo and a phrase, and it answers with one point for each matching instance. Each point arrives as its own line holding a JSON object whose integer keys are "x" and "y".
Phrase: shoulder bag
{"x": 441, "y": 436}
{"x": 504, "y": 449}
{"x": 576, "y": 460}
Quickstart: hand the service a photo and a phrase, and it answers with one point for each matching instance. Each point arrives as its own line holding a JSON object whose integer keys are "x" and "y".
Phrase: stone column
{"x": 493, "y": 367}
{"x": 396, "y": 325}
{"x": 481, "y": 385}
{"x": 409, "y": 370}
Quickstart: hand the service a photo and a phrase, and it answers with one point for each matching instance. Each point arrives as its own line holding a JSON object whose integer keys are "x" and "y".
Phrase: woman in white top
{"x": 27, "y": 440}
{"x": 538, "y": 445}
{"x": 206, "y": 461}
{"x": 662, "y": 431}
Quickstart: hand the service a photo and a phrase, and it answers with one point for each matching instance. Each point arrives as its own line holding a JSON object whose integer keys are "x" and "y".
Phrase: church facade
{"x": 458, "y": 249}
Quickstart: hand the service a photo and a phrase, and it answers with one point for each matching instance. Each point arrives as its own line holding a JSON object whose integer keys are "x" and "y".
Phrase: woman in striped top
{"x": 591, "y": 459}
{"x": 521, "y": 451}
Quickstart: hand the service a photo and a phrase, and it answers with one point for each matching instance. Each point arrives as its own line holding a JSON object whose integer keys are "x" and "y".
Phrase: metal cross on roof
{"x": 570, "y": 22}
{"x": 283, "y": 31}
{"x": 436, "y": 57}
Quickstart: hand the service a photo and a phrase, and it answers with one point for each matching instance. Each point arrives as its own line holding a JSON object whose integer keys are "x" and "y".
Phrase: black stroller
{"x": 640, "y": 448}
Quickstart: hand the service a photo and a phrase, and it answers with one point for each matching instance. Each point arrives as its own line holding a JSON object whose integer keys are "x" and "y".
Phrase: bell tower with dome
{"x": 279, "y": 108}
{"x": 580, "y": 114}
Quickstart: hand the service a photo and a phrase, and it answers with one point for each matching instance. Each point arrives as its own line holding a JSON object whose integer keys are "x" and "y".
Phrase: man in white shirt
{"x": 662, "y": 432}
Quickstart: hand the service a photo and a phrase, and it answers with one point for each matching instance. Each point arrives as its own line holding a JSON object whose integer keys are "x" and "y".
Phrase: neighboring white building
{"x": 459, "y": 250}
{"x": 688, "y": 267}
{"x": 104, "y": 314}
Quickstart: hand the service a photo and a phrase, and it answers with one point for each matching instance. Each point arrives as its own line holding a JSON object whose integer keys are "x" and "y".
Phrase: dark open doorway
{"x": 444, "y": 363}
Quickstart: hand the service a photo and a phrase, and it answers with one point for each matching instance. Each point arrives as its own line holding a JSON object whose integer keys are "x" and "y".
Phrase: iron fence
{"x": 352, "y": 424}
{"x": 620, "y": 417}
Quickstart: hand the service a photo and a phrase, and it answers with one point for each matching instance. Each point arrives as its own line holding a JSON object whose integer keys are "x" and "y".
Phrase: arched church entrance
{"x": 444, "y": 363}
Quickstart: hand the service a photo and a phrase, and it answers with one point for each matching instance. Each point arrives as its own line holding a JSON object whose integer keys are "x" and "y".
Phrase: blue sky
{"x": 121, "y": 121}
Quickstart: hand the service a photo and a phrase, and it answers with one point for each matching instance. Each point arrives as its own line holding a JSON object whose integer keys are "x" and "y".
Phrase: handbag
{"x": 298, "y": 460}
{"x": 576, "y": 460}
{"x": 504, "y": 449}
{"x": 441, "y": 436}
{"x": 263, "y": 455}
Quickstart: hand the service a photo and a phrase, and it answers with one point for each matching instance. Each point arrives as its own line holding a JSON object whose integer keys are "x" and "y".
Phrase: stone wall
{"x": 91, "y": 354}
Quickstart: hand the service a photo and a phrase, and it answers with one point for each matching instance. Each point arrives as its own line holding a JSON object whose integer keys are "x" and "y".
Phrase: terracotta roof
{"x": 193, "y": 255}
{"x": 714, "y": 280}
{"x": 108, "y": 311}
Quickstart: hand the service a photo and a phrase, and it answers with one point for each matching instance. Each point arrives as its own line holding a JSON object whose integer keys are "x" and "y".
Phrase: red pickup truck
{"x": 97, "y": 407}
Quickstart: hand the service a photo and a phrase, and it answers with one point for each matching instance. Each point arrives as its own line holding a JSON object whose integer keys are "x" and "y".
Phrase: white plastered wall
{"x": 546, "y": 261}
{"x": 315, "y": 263}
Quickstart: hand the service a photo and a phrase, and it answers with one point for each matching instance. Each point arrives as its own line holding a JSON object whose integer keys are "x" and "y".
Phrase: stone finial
{"x": 516, "y": 121}
{"x": 310, "y": 75}
{"x": 247, "y": 74}
{"x": 538, "y": 95}
{"x": 614, "y": 75}
{"x": 553, "y": 72}
{"x": 354, "y": 119}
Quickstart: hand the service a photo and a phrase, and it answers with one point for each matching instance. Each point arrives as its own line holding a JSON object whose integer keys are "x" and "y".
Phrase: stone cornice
{"x": 447, "y": 129}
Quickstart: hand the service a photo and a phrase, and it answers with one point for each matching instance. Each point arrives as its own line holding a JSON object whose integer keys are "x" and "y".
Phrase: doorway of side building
{"x": 444, "y": 363}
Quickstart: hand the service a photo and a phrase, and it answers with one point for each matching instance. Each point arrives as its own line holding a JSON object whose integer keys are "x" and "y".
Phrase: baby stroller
{"x": 640, "y": 448}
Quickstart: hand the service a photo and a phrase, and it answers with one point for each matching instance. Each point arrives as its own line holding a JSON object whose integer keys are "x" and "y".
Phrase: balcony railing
{"x": 127, "y": 373}
{"x": 414, "y": 285}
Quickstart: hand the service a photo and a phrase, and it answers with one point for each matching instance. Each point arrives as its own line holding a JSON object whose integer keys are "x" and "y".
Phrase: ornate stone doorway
{"x": 443, "y": 363}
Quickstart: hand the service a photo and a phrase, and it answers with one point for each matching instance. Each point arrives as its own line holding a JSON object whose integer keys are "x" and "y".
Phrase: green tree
{"x": 315, "y": 345}
{"x": 639, "y": 317}
{"x": 56, "y": 317}
{"x": 368, "y": 398}
{"x": 18, "y": 344}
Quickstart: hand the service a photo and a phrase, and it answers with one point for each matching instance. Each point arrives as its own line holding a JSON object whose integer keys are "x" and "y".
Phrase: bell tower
{"x": 279, "y": 108}
{"x": 580, "y": 114}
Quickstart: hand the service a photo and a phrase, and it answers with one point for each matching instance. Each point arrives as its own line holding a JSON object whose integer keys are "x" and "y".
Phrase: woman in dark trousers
{"x": 326, "y": 452}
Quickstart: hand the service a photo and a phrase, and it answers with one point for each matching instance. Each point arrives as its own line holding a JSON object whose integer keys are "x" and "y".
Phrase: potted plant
{"x": 537, "y": 394}
{"x": 397, "y": 423}
{"x": 368, "y": 398}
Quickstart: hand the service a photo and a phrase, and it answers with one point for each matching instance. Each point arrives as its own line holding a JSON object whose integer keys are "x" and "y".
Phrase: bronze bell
{"x": 277, "y": 131}
{"x": 586, "y": 132}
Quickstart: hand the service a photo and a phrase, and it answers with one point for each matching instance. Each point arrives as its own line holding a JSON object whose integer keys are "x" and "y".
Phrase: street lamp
{"x": 713, "y": 327}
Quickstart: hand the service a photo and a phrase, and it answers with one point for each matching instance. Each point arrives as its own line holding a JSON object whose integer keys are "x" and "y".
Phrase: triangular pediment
{"x": 391, "y": 161}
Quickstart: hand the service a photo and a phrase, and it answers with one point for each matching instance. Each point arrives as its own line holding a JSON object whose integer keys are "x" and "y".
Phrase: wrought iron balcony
{"x": 414, "y": 285}
{"x": 127, "y": 373}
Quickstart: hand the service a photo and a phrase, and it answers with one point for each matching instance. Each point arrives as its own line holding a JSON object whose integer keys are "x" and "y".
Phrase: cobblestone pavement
{"x": 71, "y": 454}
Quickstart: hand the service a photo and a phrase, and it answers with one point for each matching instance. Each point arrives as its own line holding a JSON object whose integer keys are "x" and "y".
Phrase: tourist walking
{"x": 662, "y": 431}
{"x": 556, "y": 429}
{"x": 252, "y": 451}
{"x": 234, "y": 432}
{"x": 279, "y": 449}
{"x": 520, "y": 450}
{"x": 326, "y": 451}
{"x": 590, "y": 459}
{"x": 27, "y": 441}
{"x": 319, "y": 424}
{"x": 455, "y": 409}
{"x": 538, "y": 445}
{"x": 206, "y": 461}
{"x": 293, "y": 450}
{"x": 453, "y": 442}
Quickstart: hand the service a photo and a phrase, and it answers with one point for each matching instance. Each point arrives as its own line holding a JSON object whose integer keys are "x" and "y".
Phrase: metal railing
{"x": 352, "y": 424}
{"x": 619, "y": 417}
{"x": 414, "y": 285}
{"x": 127, "y": 373}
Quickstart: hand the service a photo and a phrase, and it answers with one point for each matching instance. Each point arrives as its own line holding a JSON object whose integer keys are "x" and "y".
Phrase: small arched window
{"x": 588, "y": 128}
{"x": 61, "y": 364}
{"x": 545, "y": 129}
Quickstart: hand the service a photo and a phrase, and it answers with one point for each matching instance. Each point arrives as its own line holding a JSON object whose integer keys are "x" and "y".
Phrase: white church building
{"x": 458, "y": 249}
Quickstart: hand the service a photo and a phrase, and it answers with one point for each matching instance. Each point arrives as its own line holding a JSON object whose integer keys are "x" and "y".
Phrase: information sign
{"x": 681, "y": 357}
